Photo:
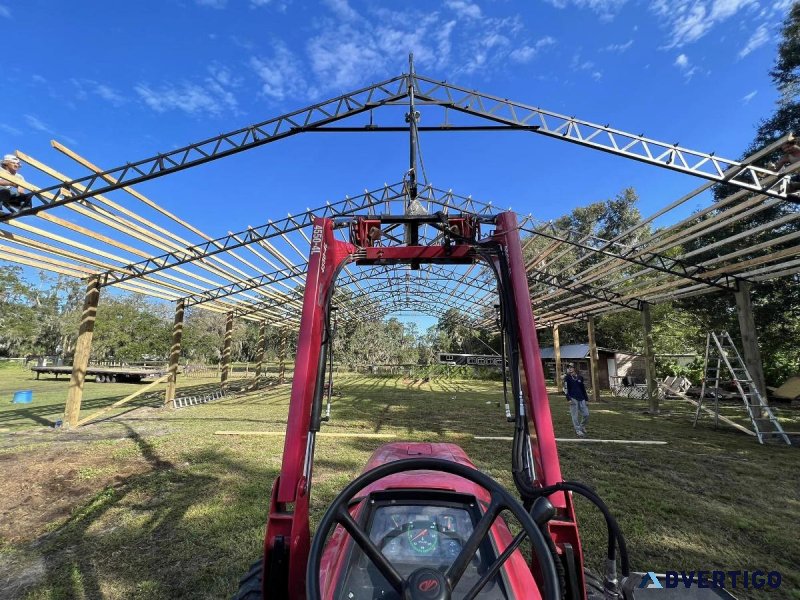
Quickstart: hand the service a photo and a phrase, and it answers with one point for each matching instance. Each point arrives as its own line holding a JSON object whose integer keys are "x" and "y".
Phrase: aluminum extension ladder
{"x": 721, "y": 354}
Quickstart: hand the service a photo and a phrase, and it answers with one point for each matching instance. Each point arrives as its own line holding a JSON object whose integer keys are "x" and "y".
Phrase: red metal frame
{"x": 288, "y": 516}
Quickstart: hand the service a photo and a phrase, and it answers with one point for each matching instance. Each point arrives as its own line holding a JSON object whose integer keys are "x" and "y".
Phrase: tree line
{"x": 41, "y": 317}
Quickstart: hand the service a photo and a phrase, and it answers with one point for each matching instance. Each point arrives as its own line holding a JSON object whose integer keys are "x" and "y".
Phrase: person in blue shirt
{"x": 575, "y": 392}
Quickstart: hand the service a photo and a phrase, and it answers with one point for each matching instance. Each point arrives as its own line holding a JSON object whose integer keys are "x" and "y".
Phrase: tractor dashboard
{"x": 414, "y": 529}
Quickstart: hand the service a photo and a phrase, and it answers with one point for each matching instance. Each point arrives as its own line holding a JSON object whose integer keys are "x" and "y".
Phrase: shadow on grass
{"x": 187, "y": 527}
{"x": 48, "y": 414}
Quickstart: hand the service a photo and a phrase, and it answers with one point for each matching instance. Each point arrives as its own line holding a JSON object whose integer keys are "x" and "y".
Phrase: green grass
{"x": 189, "y": 516}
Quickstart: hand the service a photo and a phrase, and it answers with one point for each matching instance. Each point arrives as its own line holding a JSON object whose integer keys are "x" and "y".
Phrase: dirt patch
{"x": 41, "y": 486}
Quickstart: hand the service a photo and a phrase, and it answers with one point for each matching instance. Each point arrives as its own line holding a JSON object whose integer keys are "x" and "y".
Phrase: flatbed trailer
{"x": 104, "y": 374}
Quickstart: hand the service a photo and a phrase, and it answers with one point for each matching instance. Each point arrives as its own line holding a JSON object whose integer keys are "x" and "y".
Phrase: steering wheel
{"x": 427, "y": 583}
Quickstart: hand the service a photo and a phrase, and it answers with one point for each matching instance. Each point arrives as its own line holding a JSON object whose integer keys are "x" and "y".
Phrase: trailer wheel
{"x": 100, "y": 379}
{"x": 250, "y": 584}
{"x": 112, "y": 378}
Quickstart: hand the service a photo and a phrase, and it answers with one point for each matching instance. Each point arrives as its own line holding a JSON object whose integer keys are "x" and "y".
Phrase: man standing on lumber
{"x": 575, "y": 392}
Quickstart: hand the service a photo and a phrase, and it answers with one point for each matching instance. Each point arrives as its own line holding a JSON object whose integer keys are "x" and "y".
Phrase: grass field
{"x": 152, "y": 504}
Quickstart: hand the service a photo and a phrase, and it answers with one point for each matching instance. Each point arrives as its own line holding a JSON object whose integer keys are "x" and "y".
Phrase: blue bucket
{"x": 23, "y": 397}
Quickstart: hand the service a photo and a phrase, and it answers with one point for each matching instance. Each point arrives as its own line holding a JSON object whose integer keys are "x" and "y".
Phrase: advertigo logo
{"x": 713, "y": 579}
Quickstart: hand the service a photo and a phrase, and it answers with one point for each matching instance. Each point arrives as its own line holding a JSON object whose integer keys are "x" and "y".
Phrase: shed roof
{"x": 572, "y": 351}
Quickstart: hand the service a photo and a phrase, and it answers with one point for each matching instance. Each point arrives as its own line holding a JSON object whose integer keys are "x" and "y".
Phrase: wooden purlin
{"x": 233, "y": 273}
{"x": 588, "y": 277}
{"x": 84, "y": 162}
{"x": 645, "y": 288}
{"x": 103, "y": 216}
{"x": 109, "y": 219}
{"x": 252, "y": 250}
{"x": 156, "y": 288}
{"x": 673, "y": 284}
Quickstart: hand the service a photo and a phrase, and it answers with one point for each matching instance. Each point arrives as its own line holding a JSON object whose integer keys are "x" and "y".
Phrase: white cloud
{"x": 349, "y": 47}
{"x": 606, "y": 9}
{"x": 465, "y": 9}
{"x": 689, "y": 20}
{"x": 342, "y": 9}
{"x": 217, "y": 4}
{"x": 213, "y": 96}
{"x": 597, "y": 75}
{"x": 9, "y": 129}
{"x": 759, "y": 38}
{"x": 5, "y": 11}
{"x": 526, "y": 53}
{"x": 38, "y": 79}
{"x": 37, "y": 124}
{"x": 259, "y": 3}
{"x": 619, "y": 47}
{"x": 89, "y": 87}
{"x": 687, "y": 68}
{"x": 747, "y": 97}
{"x": 281, "y": 74}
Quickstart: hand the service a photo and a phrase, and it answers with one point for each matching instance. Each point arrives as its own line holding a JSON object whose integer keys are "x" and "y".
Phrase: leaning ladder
{"x": 721, "y": 352}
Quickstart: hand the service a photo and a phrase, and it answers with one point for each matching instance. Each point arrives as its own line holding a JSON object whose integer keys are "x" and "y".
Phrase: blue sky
{"x": 123, "y": 81}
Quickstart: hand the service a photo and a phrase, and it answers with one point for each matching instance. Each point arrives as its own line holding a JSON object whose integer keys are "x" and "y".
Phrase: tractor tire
{"x": 594, "y": 586}
{"x": 250, "y": 584}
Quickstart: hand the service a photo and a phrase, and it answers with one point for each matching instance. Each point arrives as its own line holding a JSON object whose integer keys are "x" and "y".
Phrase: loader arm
{"x": 287, "y": 540}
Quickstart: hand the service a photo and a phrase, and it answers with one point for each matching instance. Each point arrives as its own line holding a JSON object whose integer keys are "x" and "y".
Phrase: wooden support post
{"x": 83, "y": 349}
{"x": 557, "y": 357}
{"x": 175, "y": 351}
{"x": 594, "y": 359}
{"x": 649, "y": 359}
{"x": 226, "y": 348}
{"x": 282, "y": 356}
{"x": 751, "y": 352}
{"x": 262, "y": 342}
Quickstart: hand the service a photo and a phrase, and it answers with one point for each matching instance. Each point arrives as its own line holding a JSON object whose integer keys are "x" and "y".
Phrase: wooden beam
{"x": 83, "y": 349}
{"x": 594, "y": 360}
{"x": 322, "y": 434}
{"x": 649, "y": 359}
{"x": 125, "y": 400}
{"x": 262, "y": 342}
{"x": 707, "y": 410}
{"x": 750, "y": 349}
{"x": 557, "y": 357}
{"x": 226, "y": 348}
{"x": 175, "y": 351}
{"x": 282, "y": 356}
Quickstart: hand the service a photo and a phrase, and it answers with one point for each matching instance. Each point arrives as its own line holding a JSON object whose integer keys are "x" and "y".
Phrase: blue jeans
{"x": 579, "y": 410}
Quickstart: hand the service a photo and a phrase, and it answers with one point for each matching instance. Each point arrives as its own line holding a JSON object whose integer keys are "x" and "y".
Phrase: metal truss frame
{"x": 509, "y": 114}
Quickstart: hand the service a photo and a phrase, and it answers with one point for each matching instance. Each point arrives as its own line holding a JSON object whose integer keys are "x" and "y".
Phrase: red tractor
{"x": 421, "y": 522}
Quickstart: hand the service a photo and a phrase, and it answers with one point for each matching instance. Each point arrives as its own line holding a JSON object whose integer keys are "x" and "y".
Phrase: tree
{"x": 776, "y": 303}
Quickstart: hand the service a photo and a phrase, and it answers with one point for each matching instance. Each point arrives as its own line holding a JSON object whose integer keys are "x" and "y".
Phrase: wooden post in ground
{"x": 175, "y": 351}
{"x": 649, "y": 359}
{"x": 594, "y": 359}
{"x": 750, "y": 350}
{"x": 282, "y": 356}
{"x": 83, "y": 349}
{"x": 262, "y": 342}
{"x": 226, "y": 348}
{"x": 557, "y": 357}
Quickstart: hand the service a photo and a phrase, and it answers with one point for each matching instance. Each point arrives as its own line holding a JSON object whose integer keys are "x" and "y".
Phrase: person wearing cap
{"x": 575, "y": 391}
{"x": 791, "y": 155}
{"x": 11, "y": 195}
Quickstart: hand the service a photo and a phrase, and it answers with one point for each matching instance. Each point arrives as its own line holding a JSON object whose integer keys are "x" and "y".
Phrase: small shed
{"x": 578, "y": 355}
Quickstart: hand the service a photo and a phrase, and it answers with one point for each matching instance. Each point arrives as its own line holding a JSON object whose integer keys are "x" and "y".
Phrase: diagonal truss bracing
{"x": 219, "y": 146}
{"x": 602, "y": 137}
{"x": 252, "y": 235}
{"x": 513, "y": 115}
